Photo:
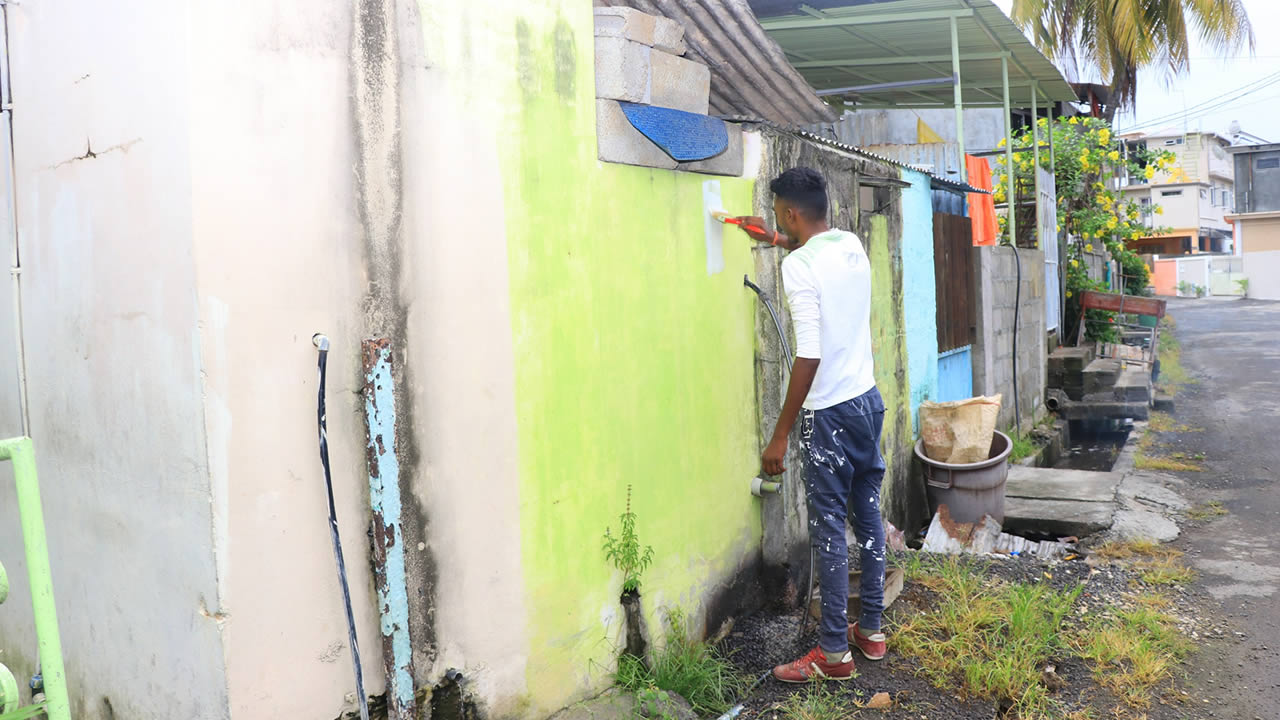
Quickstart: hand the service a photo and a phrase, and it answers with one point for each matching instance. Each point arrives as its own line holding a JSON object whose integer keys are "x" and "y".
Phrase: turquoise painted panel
{"x": 920, "y": 306}
{"x": 955, "y": 374}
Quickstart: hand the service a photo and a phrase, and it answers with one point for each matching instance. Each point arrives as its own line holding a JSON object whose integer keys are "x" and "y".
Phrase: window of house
{"x": 873, "y": 199}
{"x": 1173, "y": 141}
{"x": 1170, "y": 193}
{"x": 1203, "y": 193}
{"x": 1268, "y": 163}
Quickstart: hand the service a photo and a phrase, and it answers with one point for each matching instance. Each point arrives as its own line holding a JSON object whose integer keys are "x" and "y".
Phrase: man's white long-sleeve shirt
{"x": 828, "y": 286}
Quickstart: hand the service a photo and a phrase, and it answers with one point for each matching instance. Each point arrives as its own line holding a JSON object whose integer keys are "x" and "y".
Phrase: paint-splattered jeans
{"x": 842, "y": 479}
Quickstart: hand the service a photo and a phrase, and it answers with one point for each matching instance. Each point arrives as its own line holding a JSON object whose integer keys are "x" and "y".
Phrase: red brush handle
{"x": 754, "y": 228}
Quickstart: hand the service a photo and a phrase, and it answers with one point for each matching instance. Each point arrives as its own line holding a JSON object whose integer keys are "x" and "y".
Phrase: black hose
{"x": 1017, "y": 302}
{"x": 322, "y": 343}
{"x": 786, "y": 354}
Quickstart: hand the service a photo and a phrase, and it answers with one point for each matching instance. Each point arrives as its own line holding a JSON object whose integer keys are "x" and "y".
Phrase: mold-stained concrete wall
{"x": 635, "y": 366}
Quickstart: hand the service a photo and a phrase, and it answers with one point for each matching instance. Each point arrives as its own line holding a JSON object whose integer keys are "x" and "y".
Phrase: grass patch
{"x": 1166, "y": 572}
{"x": 693, "y": 670}
{"x": 1023, "y": 447}
{"x": 1131, "y": 549}
{"x": 1164, "y": 422}
{"x": 1173, "y": 376}
{"x": 1207, "y": 511}
{"x": 1133, "y": 651}
{"x": 816, "y": 702}
{"x": 1156, "y": 564}
{"x": 1145, "y": 461}
{"x": 990, "y": 637}
{"x": 1147, "y": 458}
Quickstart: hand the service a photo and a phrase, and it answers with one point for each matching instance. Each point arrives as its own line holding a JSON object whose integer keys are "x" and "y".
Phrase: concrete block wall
{"x": 639, "y": 59}
{"x": 993, "y": 348}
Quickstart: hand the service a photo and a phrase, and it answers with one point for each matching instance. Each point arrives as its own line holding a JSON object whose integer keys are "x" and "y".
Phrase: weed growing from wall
{"x": 625, "y": 551}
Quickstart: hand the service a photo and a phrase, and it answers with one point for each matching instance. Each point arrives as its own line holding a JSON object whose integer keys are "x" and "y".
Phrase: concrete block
{"x": 626, "y": 23}
{"x": 1072, "y": 359}
{"x": 617, "y": 141}
{"x": 1133, "y": 385}
{"x": 668, "y": 36}
{"x": 728, "y": 162}
{"x": 676, "y": 82}
{"x": 622, "y": 70}
{"x": 1053, "y": 484}
{"x": 1101, "y": 375}
{"x": 1057, "y": 517}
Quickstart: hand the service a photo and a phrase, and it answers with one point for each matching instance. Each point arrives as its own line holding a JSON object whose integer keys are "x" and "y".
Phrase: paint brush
{"x": 728, "y": 219}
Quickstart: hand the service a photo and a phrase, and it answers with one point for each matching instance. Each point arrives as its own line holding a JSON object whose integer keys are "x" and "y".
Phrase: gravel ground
{"x": 760, "y": 641}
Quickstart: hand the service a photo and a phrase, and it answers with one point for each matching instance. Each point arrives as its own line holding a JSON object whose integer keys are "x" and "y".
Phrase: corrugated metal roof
{"x": 750, "y": 74}
{"x": 834, "y": 47}
{"x": 936, "y": 181}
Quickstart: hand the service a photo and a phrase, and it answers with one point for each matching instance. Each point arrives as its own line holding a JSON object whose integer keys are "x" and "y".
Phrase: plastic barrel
{"x": 969, "y": 490}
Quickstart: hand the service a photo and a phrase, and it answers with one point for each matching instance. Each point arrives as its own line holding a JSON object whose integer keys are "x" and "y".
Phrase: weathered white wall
{"x": 174, "y": 280}
{"x": 104, "y": 200}
{"x": 458, "y": 310}
{"x": 278, "y": 258}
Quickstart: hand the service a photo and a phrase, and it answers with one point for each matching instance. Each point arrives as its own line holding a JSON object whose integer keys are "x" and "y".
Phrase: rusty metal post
{"x": 388, "y": 539}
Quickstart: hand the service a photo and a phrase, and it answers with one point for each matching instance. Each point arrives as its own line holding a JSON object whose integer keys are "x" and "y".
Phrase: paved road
{"x": 1233, "y": 349}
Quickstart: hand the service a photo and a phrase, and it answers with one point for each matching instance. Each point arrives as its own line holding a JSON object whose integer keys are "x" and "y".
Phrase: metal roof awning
{"x": 900, "y": 53}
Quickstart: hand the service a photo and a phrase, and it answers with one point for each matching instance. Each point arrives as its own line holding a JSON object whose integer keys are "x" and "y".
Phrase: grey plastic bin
{"x": 969, "y": 490}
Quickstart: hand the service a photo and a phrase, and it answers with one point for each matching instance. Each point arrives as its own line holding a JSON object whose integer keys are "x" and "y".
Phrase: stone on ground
{"x": 612, "y": 704}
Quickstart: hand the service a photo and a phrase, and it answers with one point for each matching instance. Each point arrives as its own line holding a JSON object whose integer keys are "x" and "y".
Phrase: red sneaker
{"x": 814, "y": 666}
{"x": 872, "y": 647}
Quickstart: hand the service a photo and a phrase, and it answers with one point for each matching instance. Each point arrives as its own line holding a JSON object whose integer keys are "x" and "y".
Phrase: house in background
{"x": 1194, "y": 195}
{"x": 1257, "y": 217}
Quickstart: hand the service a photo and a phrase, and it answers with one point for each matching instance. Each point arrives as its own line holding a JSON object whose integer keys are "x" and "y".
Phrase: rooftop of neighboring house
{"x": 1173, "y": 132}
{"x": 1260, "y": 148}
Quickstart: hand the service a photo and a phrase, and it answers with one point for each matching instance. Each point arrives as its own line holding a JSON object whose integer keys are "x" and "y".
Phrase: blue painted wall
{"x": 920, "y": 306}
{"x": 955, "y": 374}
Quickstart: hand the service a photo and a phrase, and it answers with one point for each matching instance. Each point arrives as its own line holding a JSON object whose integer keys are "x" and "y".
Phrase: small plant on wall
{"x": 628, "y": 556}
{"x": 625, "y": 551}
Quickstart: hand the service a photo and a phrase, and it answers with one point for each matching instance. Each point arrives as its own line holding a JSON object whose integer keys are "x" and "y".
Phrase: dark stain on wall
{"x": 566, "y": 60}
{"x": 375, "y": 78}
{"x": 526, "y": 63}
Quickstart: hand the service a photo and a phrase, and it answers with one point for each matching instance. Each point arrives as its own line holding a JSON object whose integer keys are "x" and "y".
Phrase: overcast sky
{"x": 1237, "y": 81}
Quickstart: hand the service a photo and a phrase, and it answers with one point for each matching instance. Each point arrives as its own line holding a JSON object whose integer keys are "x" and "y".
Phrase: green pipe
{"x": 19, "y": 451}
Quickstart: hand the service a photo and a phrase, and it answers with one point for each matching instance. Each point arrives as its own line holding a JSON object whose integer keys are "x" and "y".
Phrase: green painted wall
{"x": 888, "y": 345}
{"x": 633, "y": 366}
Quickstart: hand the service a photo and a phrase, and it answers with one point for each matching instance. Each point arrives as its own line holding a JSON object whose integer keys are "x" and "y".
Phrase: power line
{"x": 1208, "y": 106}
{"x": 1216, "y": 101}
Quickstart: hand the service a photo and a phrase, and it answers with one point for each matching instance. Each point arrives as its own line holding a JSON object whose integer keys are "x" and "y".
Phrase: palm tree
{"x": 1119, "y": 37}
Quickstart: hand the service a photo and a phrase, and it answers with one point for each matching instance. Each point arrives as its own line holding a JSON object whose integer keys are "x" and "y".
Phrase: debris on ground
{"x": 948, "y": 537}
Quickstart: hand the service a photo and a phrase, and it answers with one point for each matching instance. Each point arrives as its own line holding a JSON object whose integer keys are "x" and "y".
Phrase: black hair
{"x": 805, "y": 189}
